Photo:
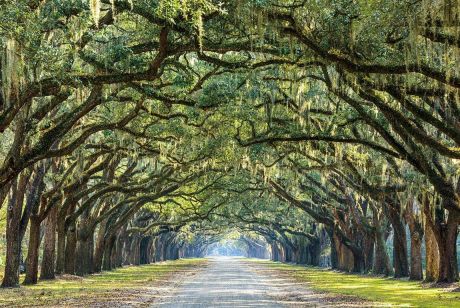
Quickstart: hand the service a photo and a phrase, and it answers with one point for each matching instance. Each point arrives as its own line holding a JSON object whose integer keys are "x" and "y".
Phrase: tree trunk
{"x": 416, "y": 271}
{"x": 445, "y": 233}
{"x": 61, "y": 238}
{"x": 98, "y": 257}
{"x": 49, "y": 247}
{"x": 14, "y": 231}
{"x": 13, "y": 216}
{"x": 381, "y": 260}
{"x": 34, "y": 193}
{"x": 358, "y": 262}
{"x": 150, "y": 251}
{"x": 144, "y": 250}
{"x": 82, "y": 265}
{"x": 432, "y": 255}
{"x": 431, "y": 246}
{"x": 135, "y": 253}
{"x": 400, "y": 260}
{"x": 314, "y": 252}
{"x": 4, "y": 190}
{"x": 275, "y": 251}
{"x": 114, "y": 252}
{"x": 345, "y": 258}
{"x": 368, "y": 247}
{"x": 32, "y": 254}
{"x": 99, "y": 249}
{"x": 120, "y": 247}
{"x": 334, "y": 254}
{"x": 108, "y": 248}
{"x": 413, "y": 219}
{"x": 34, "y": 231}
{"x": 70, "y": 250}
{"x": 91, "y": 251}
{"x": 447, "y": 243}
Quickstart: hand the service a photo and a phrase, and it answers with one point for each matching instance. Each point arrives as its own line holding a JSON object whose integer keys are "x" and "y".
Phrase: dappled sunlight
{"x": 382, "y": 290}
{"x": 133, "y": 283}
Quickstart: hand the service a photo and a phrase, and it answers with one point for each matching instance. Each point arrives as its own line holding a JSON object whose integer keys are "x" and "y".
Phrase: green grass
{"x": 388, "y": 292}
{"x": 126, "y": 283}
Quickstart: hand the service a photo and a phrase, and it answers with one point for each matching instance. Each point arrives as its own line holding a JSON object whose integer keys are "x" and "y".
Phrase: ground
{"x": 239, "y": 282}
{"x": 387, "y": 292}
{"x": 128, "y": 286}
{"x": 227, "y": 282}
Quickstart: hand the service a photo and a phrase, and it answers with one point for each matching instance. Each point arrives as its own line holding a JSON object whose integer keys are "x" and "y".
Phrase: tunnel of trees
{"x": 321, "y": 132}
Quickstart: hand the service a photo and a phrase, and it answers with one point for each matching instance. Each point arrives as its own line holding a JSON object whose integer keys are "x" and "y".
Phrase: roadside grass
{"x": 385, "y": 291}
{"x": 123, "y": 284}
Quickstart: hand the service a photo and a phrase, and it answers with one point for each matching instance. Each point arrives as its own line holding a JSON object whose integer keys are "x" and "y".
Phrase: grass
{"x": 385, "y": 291}
{"x": 124, "y": 284}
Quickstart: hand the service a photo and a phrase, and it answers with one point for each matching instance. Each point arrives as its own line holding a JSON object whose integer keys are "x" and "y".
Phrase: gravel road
{"x": 225, "y": 282}
{"x": 235, "y": 282}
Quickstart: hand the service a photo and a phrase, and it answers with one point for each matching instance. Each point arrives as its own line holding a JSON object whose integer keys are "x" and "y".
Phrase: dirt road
{"x": 235, "y": 282}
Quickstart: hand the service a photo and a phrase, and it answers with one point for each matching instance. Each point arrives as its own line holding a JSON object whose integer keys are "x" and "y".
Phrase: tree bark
{"x": 431, "y": 246}
{"x": 82, "y": 265}
{"x": 32, "y": 254}
{"x": 432, "y": 255}
{"x": 314, "y": 252}
{"x": 447, "y": 244}
{"x": 381, "y": 259}
{"x": 13, "y": 215}
{"x": 144, "y": 250}
{"x": 99, "y": 249}
{"x": 61, "y": 239}
{"x": 413, "y": 219}
{"x": 345, "y": 259}
{"x": 70, "y": 250}
{"x": 13, "y": 234}
{"x": 400, "y": 260}
{"x": 49, "y": 247}
{"x": 91, "y": 251}
{"x": 445, "y": 232}
{"x": 416, "y": 271}
{"x": 120, "y": 247}
{"x": 108, "y": 248}
{"x": 334, "y": 253}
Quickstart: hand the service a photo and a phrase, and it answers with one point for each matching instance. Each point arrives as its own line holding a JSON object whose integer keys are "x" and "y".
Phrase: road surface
{"x": 235, "y": 282}
{"x": 225, "y": 282}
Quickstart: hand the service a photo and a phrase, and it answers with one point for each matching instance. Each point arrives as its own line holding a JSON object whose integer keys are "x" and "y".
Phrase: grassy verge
{"x": 132, "y": 284}
{"x": 388, "y": 292}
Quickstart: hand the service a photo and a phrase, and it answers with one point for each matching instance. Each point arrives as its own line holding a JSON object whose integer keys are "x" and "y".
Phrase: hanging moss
{"x": 10, "y": 66}
{"x": 95, "y": 8}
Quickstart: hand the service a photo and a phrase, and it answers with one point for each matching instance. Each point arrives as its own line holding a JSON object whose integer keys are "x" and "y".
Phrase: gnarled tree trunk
{"x": 382, "y": 264}
{"x": 413, "y": 219}
{"x": 446, "y": 237}
{"x": 445, "y": 233}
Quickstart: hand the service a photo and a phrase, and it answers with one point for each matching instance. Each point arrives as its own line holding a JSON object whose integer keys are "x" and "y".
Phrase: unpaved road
{"x": 235, "y": 282}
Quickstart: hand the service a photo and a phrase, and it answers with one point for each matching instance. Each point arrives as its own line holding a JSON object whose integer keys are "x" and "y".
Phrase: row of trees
{"x": 129, "y": 128}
